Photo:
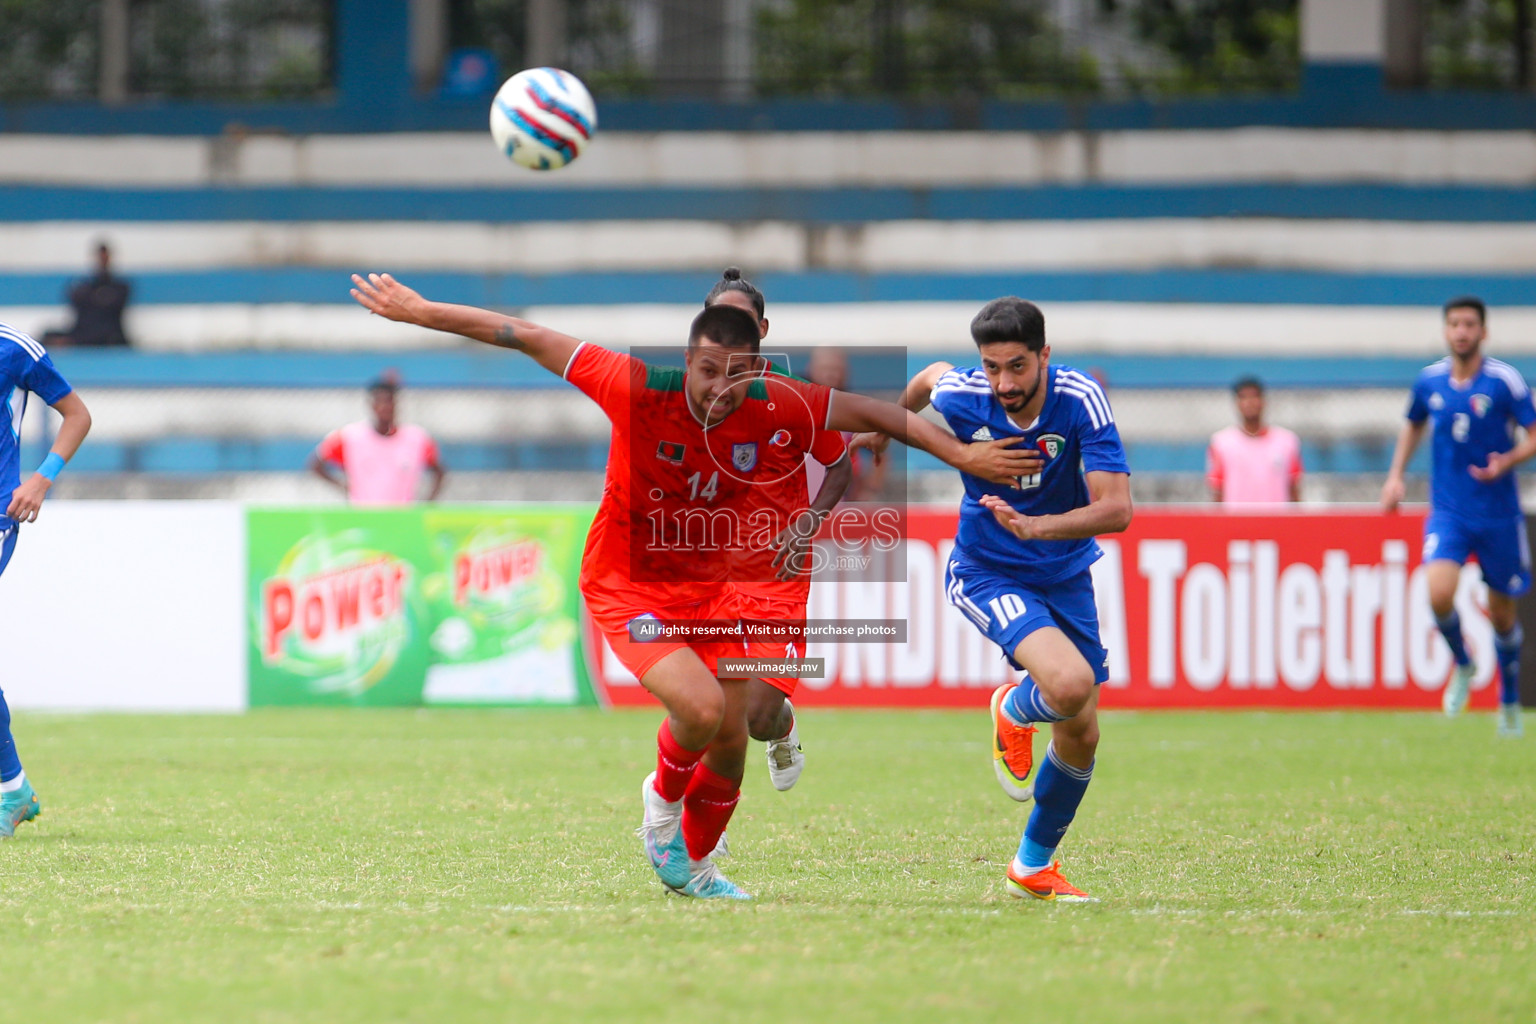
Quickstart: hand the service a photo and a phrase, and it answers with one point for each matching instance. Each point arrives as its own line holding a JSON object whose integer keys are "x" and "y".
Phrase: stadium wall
{"x": 213, "y": 607}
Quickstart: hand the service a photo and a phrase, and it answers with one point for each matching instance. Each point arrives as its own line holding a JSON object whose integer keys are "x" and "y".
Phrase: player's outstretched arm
{"x": 914, "y": 397}
{"x": 998, "y": 461}
{"x": 383, "y": 295}
{"x": 28, "y": 498}
{"x": 1109, "y": 510}
{"x": 1407, "y": 440}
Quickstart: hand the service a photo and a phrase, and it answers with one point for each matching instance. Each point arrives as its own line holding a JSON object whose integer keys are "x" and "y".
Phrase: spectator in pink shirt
{"x": 1253, "y": 462}
{"x": 379, "y": 463}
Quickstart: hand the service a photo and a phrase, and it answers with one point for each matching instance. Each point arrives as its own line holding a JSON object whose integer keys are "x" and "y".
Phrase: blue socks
{"x": 10, "y": 763}
{"x": 1507, "y": 647}
{"x": 1450, "y": 628}
{"x": 1025, "y": 704}
{"x": 1059, "y": 789}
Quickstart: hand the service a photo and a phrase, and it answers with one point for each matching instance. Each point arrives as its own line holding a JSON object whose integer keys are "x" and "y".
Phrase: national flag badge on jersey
{"x": 670, "y": 451}
{"x": 744, "y": 456}
{"x": 1051, "y": 444}
{"x": 1481, "y": 404}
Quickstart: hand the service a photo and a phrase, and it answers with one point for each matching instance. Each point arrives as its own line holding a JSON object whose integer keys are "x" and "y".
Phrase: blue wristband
{"x": 51, "y": 466}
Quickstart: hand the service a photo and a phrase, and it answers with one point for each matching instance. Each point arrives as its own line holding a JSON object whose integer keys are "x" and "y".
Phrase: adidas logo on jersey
{"x": 983, "y": 433}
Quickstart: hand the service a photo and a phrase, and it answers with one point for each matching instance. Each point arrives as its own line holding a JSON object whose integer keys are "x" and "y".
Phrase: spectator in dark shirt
{"x": 98, "y": 302}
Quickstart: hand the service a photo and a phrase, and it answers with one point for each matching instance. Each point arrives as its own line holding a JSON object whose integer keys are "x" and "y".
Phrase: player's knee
{"x": 702, "y": 710}
{"x": 763, "y": 713}
{"x": 1068, "y": 688}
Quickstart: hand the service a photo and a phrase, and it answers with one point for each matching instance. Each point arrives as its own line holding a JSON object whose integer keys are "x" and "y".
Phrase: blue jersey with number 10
{"x": 1076, "y": 434}
{"x": 24, "y": 367}
{"x": 1471, "y": 420}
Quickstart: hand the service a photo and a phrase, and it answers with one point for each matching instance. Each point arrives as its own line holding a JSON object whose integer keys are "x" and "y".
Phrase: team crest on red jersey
{"x": 670, "y": 451}
{"x": 1051, "y": 444}
{"x": 744, "y": 456}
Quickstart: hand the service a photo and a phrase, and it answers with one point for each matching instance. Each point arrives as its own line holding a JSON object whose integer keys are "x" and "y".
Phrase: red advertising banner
{"x": 1197, "y": 608}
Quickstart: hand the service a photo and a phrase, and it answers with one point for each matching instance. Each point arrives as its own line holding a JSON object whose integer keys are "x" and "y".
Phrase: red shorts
{"x": 614, "y": 606}
{"x": 773, "y": 604}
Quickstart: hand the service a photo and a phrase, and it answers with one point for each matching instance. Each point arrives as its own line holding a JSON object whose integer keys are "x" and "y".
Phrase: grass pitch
{"x": 479, "y": 866}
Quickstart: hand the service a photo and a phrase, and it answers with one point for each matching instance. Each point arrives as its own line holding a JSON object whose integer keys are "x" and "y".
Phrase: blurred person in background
{"x": 380, "y": 461}
{"x": 25, "y": 368}
{"x": 828, "y": 367}
{"x": 1253, "y": 462}
{"x": 98, "y": 302}
{"x": 1472, "y": 405}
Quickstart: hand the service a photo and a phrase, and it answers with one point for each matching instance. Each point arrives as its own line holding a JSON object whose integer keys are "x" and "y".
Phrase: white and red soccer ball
{"x": 543, "y": 118}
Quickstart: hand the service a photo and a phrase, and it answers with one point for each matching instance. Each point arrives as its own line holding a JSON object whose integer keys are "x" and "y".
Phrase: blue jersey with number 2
{"x": 1469, "y": 421}
{"x": 1076, "y": 434}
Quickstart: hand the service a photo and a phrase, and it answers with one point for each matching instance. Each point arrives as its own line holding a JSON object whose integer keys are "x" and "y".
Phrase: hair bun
{"x": 731, "y": 274}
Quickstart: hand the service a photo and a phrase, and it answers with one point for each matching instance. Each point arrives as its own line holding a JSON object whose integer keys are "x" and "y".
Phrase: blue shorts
{"x": 1007, "y": 610}
{"x": 1500, "y": 545}
{"x": 8, "y": 545}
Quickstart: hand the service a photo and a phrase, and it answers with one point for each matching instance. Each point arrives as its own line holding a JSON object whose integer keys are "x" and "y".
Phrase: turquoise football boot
{"x": 22, "y": 805}
{"x": 662, "y": 833}
{"x": 705, "y": 882}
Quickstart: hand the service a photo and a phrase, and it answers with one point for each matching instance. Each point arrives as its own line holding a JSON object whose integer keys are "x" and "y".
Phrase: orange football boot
{"x": 1013, "y": 750}
{"x": 1046, "y": 884}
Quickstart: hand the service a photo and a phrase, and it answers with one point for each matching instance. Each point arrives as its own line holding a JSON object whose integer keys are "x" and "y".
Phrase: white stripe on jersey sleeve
{"x": 1510, "y": 376}
{"x": 26, "y": 341}
{"x": 565, "y": 374}
{"x": 972, "y": 389}
{"x": 1094, "y": 392}
{"x": 1093, "y": 412}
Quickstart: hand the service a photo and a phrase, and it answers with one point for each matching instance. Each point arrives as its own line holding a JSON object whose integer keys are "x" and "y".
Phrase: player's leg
{"x": 1446, "y": 547}
{"x": 1504, "y": 554}
{"x": 1060, "y": 785}
{"x": 1017, "y": 618}
{"x": 712, "y": 796}
{"x": 17, "y": 801}
{"x": 771, "y": 719}
{"x": 770, "y": 715}
{"x": 1067, "y": 767}
{"x": 695, "y": 706}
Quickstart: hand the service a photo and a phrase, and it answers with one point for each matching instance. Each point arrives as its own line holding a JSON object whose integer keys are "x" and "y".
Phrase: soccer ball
{"x": 543, "y": 118}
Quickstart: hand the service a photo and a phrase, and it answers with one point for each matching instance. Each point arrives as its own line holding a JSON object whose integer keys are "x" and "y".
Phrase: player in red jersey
{"x": 681, "y": 455}
{"x": 772, "y": 584}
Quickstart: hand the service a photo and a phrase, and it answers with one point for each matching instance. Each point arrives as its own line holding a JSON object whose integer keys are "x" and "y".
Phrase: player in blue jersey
{"x": 25, "y": 368}
{"x": 1472, "y": 403}
{"x": 1020, "y": 566}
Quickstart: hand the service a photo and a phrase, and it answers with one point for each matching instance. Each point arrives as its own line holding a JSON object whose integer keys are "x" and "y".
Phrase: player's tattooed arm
{"x": 383, "y": 295}
{"x": 998, "y": 461}
{"x": 914, "y": 398}
{"x": 506, "y": 337}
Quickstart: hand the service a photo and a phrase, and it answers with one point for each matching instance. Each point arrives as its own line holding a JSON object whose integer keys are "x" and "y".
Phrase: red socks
{"x": 707, "y": 807}
{"x": 675, "y": 765}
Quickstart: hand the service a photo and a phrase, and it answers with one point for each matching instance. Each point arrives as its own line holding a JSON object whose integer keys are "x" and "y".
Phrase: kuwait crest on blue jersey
{"x": 1481, "y": 404}
{"x": 1051, "y": 444}
{"x": 744, "y": 456}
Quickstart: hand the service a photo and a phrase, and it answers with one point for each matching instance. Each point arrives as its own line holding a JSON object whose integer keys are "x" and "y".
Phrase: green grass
{"x": 480, "y": 866}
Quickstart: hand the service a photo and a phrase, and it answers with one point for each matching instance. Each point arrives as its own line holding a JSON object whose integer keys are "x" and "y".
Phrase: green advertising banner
{"x": 425, "y": 605}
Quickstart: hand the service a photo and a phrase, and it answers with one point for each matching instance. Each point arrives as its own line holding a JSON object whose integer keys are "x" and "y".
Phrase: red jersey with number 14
{"x": 677, "y": 495}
